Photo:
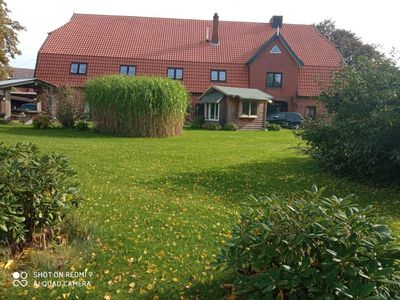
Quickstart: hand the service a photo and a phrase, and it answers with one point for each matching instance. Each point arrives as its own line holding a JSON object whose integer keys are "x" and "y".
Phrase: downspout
{"x": 265, "y": 114}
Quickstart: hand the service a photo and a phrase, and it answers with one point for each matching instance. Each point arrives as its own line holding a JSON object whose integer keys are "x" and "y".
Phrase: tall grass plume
{"x": 137, "y": 106}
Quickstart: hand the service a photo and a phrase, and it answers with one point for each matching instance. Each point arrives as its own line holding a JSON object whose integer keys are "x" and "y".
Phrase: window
{"x": 127, "y": 70}
{"x": 211, "y": 111}
{"x": 311, "y": 112}
{"x": 275, "y": 50}
{"x": 218, "y": 75}
{"x": 274, "y": 80}
{"x": 175, "y": 73}
{"x": 78, "y": 68}
{"x": 248, "y": 109}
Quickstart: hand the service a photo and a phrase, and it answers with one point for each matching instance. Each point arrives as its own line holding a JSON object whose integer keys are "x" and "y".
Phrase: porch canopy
{"x": 7, "y": 85}
{"x": 215, "y": 93}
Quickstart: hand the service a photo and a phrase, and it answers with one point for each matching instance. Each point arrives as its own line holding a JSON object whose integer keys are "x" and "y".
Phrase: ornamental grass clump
{"x": 312, "y": 248}
{"x": 137, "y": 106}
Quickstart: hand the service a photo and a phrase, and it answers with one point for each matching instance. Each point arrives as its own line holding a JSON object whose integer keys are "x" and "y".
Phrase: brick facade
{"x": 156, "y": 44}
{"x": 196, "y": 76}
{"x": 281, "y": 63}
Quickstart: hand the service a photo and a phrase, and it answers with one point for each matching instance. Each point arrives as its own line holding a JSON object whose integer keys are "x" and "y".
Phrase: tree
{"x": 361, "y": 137}
{"x": 70, "y": 105}
{"x": 348, "y": 43}
{"x": 8, "y": 39}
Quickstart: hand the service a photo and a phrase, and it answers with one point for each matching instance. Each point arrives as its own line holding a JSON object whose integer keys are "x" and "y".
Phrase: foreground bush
{"x": 137, "y": 106}
{"x": 36, "y": 192}
{"x": 361, "y": 134}
{"x": 312, "y": 248}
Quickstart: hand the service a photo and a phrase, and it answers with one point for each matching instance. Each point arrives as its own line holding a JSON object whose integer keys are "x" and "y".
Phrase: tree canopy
{"x": 349, "y": 44}
{"x": 361, "y": 137}
{"x": 8, "y": 39}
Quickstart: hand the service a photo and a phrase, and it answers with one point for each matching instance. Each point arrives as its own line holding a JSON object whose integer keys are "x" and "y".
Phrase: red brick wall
{"x": 245, "y": 123}
{"x": 302, "y": 102}
{"x": 281, "y": 63}
{"x": 196, "y": 76}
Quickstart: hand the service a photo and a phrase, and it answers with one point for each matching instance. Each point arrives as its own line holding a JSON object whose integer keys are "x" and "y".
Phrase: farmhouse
{"x": 289, "y": 62}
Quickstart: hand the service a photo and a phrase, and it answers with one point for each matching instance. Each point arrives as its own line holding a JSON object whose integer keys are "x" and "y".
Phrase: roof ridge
{"x": 182, "y": 19}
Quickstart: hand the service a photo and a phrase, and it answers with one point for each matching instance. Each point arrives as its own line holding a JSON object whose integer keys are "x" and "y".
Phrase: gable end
{"x": 268, "y": 43}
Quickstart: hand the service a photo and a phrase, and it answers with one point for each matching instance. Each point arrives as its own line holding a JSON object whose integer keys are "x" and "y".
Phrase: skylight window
{"x": 276, "y": 50}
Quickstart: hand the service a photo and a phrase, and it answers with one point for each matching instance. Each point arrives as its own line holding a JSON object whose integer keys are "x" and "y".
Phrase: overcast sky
{"x": 374, "y": 21}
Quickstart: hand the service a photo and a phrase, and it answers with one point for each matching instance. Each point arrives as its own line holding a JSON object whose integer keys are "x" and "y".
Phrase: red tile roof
{"x": 313, "y": 79}
{"x": 184, "y": 41}
{"x": 22, "y": 73}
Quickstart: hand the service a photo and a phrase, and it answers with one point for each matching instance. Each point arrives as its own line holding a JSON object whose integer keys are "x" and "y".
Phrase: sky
{"x": 374, "y": 21}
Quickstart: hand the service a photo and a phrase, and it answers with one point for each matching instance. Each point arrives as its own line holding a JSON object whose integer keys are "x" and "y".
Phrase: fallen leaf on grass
{"x": 9, "y": 264}
{"x": 107, "y": 296}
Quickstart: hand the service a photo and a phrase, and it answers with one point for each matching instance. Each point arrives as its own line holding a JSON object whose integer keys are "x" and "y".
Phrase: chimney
{"x": 276, "y": 21}
{"x": 214, "y": 38}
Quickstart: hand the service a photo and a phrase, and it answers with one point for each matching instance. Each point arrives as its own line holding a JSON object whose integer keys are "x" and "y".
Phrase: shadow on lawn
{"x": 287, "y": 177}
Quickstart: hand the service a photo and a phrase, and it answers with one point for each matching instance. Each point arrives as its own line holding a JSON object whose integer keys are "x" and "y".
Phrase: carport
{"x": 41, "y": 87}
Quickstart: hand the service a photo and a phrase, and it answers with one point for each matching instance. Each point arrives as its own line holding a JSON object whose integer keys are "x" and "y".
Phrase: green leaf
{"x": 3, "y": 227}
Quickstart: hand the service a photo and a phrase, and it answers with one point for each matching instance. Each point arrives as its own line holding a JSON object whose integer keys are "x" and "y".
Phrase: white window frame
{"x": 243, "y": 115}
{"x": 207, "y": 111}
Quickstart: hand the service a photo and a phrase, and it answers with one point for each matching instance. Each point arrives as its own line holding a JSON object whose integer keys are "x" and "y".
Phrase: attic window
{"x": 127, "y": 70}
{"x": 218, "y": 75}
{"x": 78, "y": 68}
{"x": 175, "y": 73}
{"x": 275, "y": 50}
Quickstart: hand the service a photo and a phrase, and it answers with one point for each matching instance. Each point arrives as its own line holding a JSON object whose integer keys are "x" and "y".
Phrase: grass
{"x": 163, "y": 207}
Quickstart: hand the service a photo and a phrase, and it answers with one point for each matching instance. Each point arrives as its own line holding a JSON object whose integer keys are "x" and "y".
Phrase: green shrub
{"x": 82, "y": 125}
{"x": 231, "y": 126}
{"x": 361, "y": 134}
{"x": 36, "y": 191}
{"x": 312, "y": 248}
{"x": 212, "y": 126}
{"x": 65, "y": 114}
{"x": 42, "y": 122}
{"x": 197, "y": 123}
{"x": 70, "y": 106}
{"x": 273, "y": 127}
{"x": 137, "y": 106}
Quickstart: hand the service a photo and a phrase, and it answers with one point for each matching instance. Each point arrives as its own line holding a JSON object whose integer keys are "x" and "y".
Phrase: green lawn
{"x": 162, "y": 207}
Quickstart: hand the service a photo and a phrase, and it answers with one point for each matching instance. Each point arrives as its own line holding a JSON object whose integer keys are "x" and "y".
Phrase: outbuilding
{"x": 245, "y": 107}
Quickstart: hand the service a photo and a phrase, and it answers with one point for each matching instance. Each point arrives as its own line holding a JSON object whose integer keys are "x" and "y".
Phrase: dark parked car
{"x": 286, "y": 119}
{"x": 28, "y": 107}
